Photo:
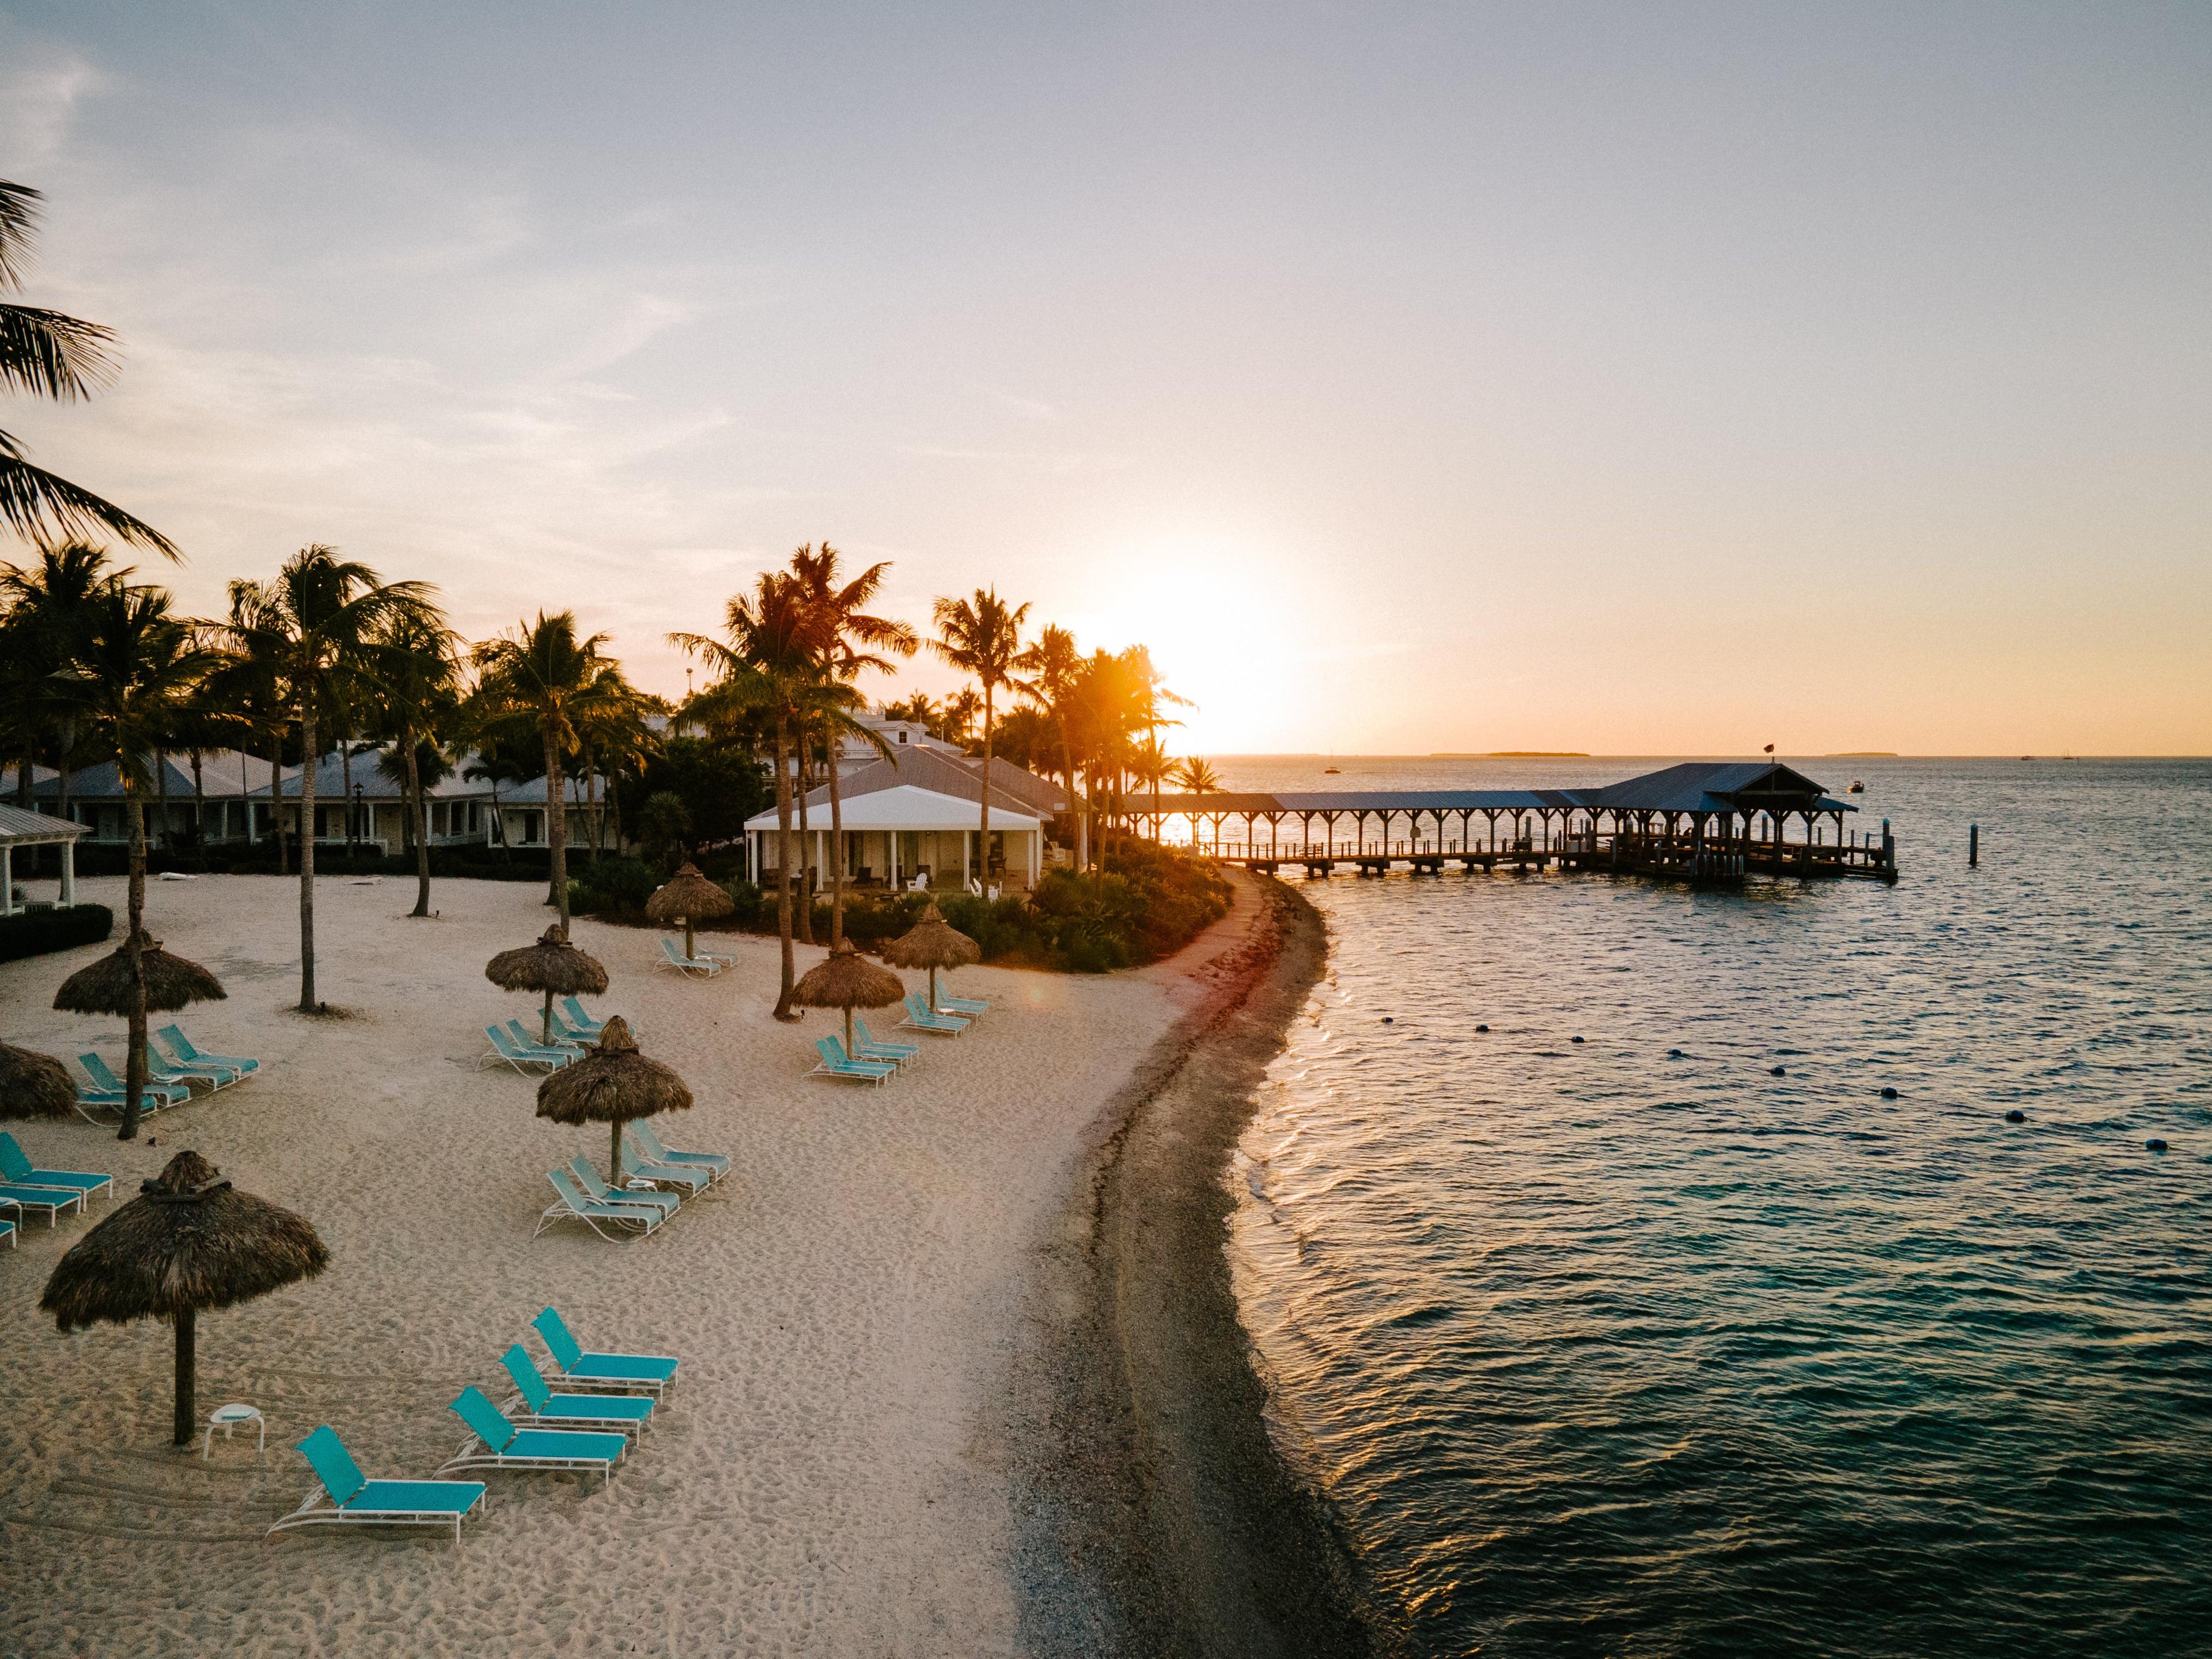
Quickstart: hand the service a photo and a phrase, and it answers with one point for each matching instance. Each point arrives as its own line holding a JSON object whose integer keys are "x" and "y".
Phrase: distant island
{"x": 1515, "y": 754}
{"x": 1864, "y": 754}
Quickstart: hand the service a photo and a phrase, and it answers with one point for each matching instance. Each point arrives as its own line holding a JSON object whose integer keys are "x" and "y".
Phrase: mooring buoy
{"x": 2155, "y": 1144}
{"x": 1388, "y": 1020}
{"x": 2015, "y": 1117}
{"x": 1574, "y": 1039}
{"x": 1482, "y": 1028}
{"x": 1889, "y": 1094}
{"x": 1673, "y": 1054}
{"x": 1778, "y": 1071}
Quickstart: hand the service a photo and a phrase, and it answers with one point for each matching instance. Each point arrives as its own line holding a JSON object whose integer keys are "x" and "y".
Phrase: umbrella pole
{"x": 548, "y": 1038}
{"x": 690, "y": 940}
{"x": 613, "y": 1157}
{"x": 848, "y": 1030}
{"x": 182, "y": 1435}
{"x": 932, "y": 987}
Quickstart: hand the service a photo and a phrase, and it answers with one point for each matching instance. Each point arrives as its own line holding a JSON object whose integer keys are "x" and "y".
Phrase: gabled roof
{"x": 1715, "y": 786}
{"x": 1012, "y": 789}
{"x": 905, "y": 807}
{"x": 1694, "y": 786}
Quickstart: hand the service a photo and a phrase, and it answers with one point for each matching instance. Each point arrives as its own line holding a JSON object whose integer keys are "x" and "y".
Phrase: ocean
{"x": 1600, "y": 1350}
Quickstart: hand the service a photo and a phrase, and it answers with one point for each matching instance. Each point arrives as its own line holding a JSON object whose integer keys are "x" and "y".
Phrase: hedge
{"x": 36, "y": 933}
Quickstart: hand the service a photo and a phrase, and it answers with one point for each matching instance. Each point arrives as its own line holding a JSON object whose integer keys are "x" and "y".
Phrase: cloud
{"x": 40, "y": 88}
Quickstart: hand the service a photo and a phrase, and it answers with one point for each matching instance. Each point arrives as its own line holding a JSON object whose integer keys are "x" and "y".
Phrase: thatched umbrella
{"x": 932, "y": 943}
{"x": 690, "y": 898}
{"x": 612, "y": 1084}
{"x": 188, "y": 1240}
{"x": 33, "y": 1085}
{"x": 846, "y": 979}
{"x": 553, "y": 966}
{"x": 103, "y": 988}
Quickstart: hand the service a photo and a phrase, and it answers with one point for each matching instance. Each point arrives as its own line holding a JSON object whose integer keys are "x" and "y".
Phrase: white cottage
{"x": 913, "y": 821}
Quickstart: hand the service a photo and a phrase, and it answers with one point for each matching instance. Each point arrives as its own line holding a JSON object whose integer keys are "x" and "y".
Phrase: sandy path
{"x": 844, "y": 1309}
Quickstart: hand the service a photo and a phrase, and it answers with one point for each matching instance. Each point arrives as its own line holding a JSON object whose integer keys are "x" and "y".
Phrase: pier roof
{"x": 1694, "y": 786}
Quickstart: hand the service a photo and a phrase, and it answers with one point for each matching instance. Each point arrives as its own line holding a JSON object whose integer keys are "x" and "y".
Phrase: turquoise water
{"x": 1601, "y": 1352}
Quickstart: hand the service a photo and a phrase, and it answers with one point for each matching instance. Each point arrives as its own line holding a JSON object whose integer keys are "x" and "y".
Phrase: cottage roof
{"x": 22, "y": 829}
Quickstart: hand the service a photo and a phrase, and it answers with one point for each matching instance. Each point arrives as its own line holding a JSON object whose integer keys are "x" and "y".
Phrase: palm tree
{"x": 1150, "y": 763}
{"x": 981, "y": 637}
{"x": 956, "y": 717}
{"x": 845, "y": 631}
{"x": 132, "y": 679}
{"x": 771, "y": 662}
{"x": 1051, "y": 664}
{"x": 1195, "y": 777}
{"x": 247, "y": 691}
{"x": 320, "y": 622}
{"x": 416, "y": 693}
{"x": 63, "y": 358}
{"x": 47, "y": 605}
{"x": 544, "y": 674}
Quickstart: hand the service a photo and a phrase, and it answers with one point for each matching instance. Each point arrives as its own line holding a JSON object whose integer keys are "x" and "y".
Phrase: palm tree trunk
{"x": 161, "y": 789}
{"x": 557, "y": 832}
{"x": 806, "y": 887}
{"x": 199, "y": 812}
{"x": 983, "y": 839}
{"x": 307, "y": 1005}
{"x": 134, "y": 1063}
{"x": 837, "y": 856}
{"x": 783, "y": 863}
{"x": 422, "y": 829}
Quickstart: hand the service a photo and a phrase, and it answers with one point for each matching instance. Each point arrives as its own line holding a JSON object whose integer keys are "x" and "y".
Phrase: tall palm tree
{"x": 63, "y": 358}
{"x": 850, "y": 641}
{"x": 416, "y": 693}
{"x": 1195, "y": 777}
{"x": 546, "y": 674}
{"x": 1050, "y": 666}
{"x": 319, "y": 621}
{"x": 132, "y": 679}
{"x": 247, "y": 691}
{"x": 1150, "y": 763}
{"x": 770, "y": 660}
{"x": 47, "y": 605}
{"x": 981, "y": 637}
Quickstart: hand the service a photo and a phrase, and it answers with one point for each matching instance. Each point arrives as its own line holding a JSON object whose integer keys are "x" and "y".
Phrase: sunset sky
{"x": 1626, "y": 379}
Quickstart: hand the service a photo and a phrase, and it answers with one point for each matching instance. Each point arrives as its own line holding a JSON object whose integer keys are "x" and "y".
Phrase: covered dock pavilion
{"x": 1702, "y": 820}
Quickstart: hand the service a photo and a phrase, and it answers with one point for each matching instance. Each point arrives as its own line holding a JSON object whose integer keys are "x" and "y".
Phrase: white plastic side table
{"x": 227, "y": 1417}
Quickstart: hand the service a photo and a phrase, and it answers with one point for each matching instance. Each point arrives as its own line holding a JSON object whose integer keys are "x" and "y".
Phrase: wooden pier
{"x": 1699, "y": 822}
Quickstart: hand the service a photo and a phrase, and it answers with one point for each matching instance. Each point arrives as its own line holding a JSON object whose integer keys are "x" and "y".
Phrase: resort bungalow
{"x": 913, "y": 821}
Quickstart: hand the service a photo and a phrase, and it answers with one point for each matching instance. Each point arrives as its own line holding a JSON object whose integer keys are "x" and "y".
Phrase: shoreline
{"x": 1153, "y": 1513}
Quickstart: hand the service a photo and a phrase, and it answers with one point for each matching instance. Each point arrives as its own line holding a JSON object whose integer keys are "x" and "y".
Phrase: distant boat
{"x": 1856, "y": 788}
{"x": 1329, "y": 771}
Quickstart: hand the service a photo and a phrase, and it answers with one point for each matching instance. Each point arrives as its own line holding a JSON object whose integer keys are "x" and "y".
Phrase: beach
{"x": 840, "y": 1467}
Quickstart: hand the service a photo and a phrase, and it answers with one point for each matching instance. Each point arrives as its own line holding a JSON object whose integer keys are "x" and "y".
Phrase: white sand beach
{"x": 822, "y": 1481}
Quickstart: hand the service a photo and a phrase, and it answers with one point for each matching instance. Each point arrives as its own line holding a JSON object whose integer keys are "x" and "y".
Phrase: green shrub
{"x": 35, "y": 932}
{"x": 610, "y": 883}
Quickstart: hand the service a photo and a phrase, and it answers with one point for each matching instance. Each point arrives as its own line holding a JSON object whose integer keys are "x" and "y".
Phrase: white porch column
{"x": 967, "y": 856}
{"x": 69, "y": 870}
{"x": 7, "y": 879}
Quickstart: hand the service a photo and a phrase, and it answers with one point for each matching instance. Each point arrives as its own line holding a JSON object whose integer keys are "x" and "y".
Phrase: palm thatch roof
{"x": 688, "y": 896}
{"x": 613, "y": 1082}
{"x": 552, "y": 965}
{"x": 190, "y": 1240}
{"x": 33, "y": 1085}
{"x": 933, "y": 942}
{"x": 104, "y": 986}
{"x": 846, "y": 979}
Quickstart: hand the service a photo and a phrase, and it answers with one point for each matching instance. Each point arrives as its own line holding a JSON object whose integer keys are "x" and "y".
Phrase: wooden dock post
{"x": 1973, "y": 846}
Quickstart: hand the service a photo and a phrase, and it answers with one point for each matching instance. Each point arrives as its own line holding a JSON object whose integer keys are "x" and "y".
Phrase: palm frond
{"x": 46, "y": 509}
{"x": 19, "y": 218}
{"x": 49, "y": 354}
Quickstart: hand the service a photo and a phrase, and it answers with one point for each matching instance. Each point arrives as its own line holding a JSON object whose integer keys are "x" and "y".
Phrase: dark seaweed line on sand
{"x": 1152, "y": 1513}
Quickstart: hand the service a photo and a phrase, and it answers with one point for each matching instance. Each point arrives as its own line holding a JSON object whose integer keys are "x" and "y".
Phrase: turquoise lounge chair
{"x": 866, "y": 1046}
{"x": 620, "y": 1411}
{"x": 716, "y": 1164}
{"x": 838, "y": 1065}
{"x": 108, "y": 1089}
{"x": 637, "y": 1197}
{"x": 640, "y": 1165}
{"x": 506, "y": 1447}
{"x": 970, "y": 1007}
{"x": 161, "y": 1069}
{"x": 52, "y": 1200}
{"x": 357, "y": 1501}
{"x": 654, "y": 1373}
{"x": 672, "y": 953}
{"x": 573, "y": 1204}
{"x": 506, "y": 1050}
{"x": 921, "y": 1017}
{"x": 580, "y": 1022}
{"x": 15, "y": 1167}
{"x": 181, "y": 1046}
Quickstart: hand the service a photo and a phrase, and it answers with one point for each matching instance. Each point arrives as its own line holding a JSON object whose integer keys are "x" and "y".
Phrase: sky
{"x": 1410, "y": 378}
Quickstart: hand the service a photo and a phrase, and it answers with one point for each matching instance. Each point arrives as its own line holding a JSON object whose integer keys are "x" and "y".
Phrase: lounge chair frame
{"x": 638, "y": 1220}
{"x": 671, "y": 956}
{"x": 90, "y": 1183}
{"x": 612, "y": 1373}
{"x": 576, "y": 1458}
{"x": 334, "y": 1512}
